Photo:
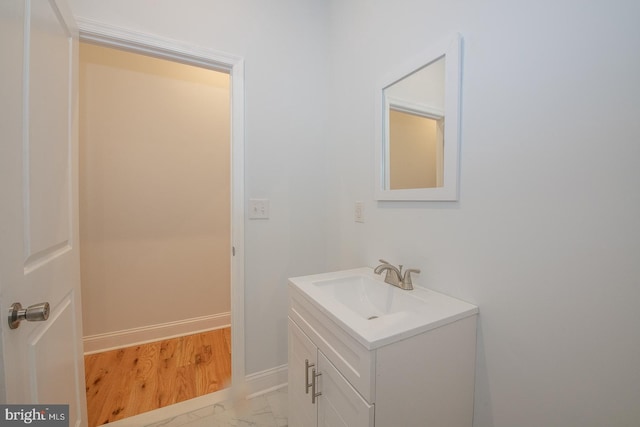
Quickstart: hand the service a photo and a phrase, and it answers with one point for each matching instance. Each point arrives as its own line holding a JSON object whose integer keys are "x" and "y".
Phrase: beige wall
{"x": 413, "y": 153}
{"x": 154, "y": 191}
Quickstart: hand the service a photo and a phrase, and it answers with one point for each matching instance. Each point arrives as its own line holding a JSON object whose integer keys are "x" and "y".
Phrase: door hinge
{"x": 233, "y": 251}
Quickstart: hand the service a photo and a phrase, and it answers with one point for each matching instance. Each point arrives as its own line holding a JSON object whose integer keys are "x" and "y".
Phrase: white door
{"x": 42, "y": 361}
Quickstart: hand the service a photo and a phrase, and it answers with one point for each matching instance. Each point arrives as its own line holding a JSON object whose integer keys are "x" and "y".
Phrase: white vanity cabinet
{"x": 303, "y": 354}
{"x": 421, "y": 379}
{"x": 337, "y": 405}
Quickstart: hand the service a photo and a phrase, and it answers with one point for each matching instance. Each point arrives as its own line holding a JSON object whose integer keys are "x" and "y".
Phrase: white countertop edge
{"x": 374, "y": 343}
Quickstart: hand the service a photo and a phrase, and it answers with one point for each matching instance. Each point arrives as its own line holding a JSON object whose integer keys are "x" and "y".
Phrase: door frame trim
{"x": 107, "y": 35}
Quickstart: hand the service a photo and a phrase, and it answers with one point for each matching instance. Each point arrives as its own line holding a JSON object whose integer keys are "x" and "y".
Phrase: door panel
{"x": 46, "y": 144}
{"x": 42, "y": 361}
{"x": 50, "y": 363}
{"x": 340, "y": 404}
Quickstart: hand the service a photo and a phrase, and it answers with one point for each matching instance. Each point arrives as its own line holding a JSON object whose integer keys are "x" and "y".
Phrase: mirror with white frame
{"x": 417, "y": 127}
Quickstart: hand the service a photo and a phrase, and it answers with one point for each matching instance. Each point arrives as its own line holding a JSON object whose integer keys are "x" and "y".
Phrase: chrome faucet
{"x": 394, "y": 275}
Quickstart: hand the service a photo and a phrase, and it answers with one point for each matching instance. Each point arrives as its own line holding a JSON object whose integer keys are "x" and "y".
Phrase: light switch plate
{"x": 258, "y": 208}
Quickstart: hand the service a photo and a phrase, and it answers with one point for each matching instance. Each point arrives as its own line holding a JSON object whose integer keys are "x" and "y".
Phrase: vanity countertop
{"x": 376, "y": 313}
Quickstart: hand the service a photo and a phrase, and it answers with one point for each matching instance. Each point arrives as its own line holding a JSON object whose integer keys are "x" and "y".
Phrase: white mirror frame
{"x": 451, "y": 48}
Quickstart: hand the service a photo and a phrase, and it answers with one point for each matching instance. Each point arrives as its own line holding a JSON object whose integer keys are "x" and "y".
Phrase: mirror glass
{"x": 418, "y": 128}
{"x": 414, "y": 111}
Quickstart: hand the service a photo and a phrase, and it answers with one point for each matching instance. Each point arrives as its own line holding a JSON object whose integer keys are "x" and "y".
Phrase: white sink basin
{"x": 374, "y": 312}
{"x": 367, "y": 297}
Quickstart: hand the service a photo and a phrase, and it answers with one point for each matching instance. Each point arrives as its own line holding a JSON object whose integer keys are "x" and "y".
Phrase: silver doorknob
{"x": 33, "y": 313}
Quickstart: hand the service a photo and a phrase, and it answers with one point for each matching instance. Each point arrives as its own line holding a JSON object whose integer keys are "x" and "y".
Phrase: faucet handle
{"x": 384, "y": 262}
{"x": 407, "y": 275}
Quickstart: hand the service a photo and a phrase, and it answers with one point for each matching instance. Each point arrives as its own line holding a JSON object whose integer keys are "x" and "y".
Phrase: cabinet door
{"x": 340, "y": 405}
{"x": 302, "y": 413}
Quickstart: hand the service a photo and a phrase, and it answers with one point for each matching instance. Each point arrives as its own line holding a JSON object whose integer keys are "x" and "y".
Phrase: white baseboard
{"x": 266, "y": 381}
{"x": 113, "y": 340}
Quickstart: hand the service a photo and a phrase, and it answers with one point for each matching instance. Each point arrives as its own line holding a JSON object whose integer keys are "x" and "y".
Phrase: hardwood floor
{"x": 133, "y": 380}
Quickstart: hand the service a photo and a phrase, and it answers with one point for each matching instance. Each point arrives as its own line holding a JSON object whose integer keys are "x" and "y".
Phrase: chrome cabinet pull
{"x": 307, "y": 365}
{"x": 314, "y": 375}
{"x": 33, "y": 313}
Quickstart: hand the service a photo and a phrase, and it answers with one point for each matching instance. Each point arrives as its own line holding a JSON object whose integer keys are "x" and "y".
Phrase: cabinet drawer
{"x": 355, "y": 362}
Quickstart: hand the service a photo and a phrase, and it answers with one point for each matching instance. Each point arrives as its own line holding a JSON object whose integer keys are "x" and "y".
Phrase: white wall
{"x": 546, "y": 235}
{"x": 154, "y": 191}
{"x": 284, "y": 48}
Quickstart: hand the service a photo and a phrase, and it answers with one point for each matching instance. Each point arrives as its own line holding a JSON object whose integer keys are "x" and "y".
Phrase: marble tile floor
{"x": 267, "y": 410}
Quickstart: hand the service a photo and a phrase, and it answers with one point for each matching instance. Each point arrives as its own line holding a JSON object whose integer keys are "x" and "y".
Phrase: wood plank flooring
{"x": 129, "y": 381}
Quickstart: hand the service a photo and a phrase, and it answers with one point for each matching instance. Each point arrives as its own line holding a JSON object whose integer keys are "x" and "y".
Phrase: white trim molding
{"x": 266, "y": 381}
{"x": 153, "y": 45}
{"x": 179, "y": 51}
{"x": 135, "y": 336}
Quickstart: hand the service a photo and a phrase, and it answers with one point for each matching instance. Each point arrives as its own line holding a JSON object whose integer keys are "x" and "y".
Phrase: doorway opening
{"x": 158, "y": 222}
